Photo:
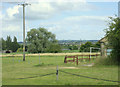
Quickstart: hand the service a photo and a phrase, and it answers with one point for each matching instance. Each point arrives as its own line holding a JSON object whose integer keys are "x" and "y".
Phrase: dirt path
{"x": 48, "y": 54}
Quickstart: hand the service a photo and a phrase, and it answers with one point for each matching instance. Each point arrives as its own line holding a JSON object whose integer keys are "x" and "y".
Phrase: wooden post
{"x": 96, "y": 55}
{"x": 77, "y": 60}
{"x": 39, "y": 58}
{"x": 65, "y": 60}
{"x": 57, "y": 73}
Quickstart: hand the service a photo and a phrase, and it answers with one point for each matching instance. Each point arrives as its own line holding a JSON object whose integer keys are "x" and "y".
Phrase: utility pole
{"x": 119, "y": 9}
{"x": 24, "y": 4}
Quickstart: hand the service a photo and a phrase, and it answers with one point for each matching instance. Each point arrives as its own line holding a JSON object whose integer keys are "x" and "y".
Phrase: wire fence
{"x": 38, "y": 76}
{"x": 88, "y": 76}
{"x": 57, "y": 71}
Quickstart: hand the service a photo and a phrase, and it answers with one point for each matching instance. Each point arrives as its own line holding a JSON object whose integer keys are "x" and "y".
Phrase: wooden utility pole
{"x": 119, "y": 9}
{"x": 24, "y": 4}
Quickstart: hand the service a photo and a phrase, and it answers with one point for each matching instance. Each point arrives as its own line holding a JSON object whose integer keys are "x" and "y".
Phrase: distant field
{"x": 48, "y": 54}
{"x": 17, "y": 72}
{"x": 70, "y": 51}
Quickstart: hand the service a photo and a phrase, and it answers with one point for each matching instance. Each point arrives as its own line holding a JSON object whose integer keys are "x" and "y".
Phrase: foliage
{"x": 54, "y": 48}
{"x": 86, "y": 47}
{"x": 15, "y": 45}
{"x": 3, "y": 44}
{"x": 105, "y": 61}
{"x": 97, "y": 44}
{"x": 70, "y": 47}
{"x": 19, "y": 50}
{"x": 9, "y": 45}
{"x": 113, "y": 36}
{"x": 26, "y": 47}
{"x": 40, "y": 40}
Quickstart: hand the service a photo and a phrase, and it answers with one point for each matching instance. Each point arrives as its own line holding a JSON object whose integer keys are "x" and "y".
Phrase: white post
{"x": 90, "y": 52}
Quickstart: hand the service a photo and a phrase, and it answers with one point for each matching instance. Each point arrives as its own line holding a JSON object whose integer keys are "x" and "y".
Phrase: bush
{"x": 20, "y": 50}
{"x": 54, "y": 48}
{"x": 105, "y": 61}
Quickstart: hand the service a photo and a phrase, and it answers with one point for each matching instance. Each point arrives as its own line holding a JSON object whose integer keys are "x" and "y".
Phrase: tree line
{"x": 38, "y": 41}
{"x": 8, "y": 44}
{"x": 84, "y": 47}
{"x": 42, "y": 41}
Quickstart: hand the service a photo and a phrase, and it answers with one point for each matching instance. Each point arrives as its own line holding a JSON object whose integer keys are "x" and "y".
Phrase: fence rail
{"x": 75, "y": 58}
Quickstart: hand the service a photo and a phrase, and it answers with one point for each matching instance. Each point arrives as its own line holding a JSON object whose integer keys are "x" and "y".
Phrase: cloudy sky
{"x": 67, "y": 20}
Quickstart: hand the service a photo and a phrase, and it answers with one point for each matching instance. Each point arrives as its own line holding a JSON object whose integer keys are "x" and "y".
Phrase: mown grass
{"x": 14, "y": 69}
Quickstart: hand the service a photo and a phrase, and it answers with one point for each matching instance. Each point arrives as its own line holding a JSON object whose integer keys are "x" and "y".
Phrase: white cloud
{"x": 79, "y": 20}
{"x": 87, "y": 20}
{"x": 60, "y": 0}
{"x": 1, "y": 15}
{"x": 76, "y": 27}
{"x": 66, "y": 27}
{"x": 39, "y": 10}
{"x": 12, "y": 11}
{"x": 12, "y": 28}
{"x": 45, "y": 10}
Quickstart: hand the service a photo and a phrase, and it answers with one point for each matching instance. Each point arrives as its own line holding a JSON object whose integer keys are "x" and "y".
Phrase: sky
{"x": 67, "y": 20}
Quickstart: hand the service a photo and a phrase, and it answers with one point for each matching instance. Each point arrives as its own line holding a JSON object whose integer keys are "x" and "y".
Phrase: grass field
{"x": 17, "y": 72}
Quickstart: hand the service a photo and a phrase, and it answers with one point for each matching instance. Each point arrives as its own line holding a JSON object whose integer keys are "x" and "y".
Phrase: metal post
{"x": 57, "y": 73}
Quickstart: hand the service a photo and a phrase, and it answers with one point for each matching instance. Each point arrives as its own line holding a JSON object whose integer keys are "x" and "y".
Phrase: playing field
{"x": 41, "y": 70}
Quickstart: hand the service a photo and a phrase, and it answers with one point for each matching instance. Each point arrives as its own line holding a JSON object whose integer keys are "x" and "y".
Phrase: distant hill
{"x": 75, "y": 41}
{"x": 20, "y": 42}
{"x": 71, "y": 41}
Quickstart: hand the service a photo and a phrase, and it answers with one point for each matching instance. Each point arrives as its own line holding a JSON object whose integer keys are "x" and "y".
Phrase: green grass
{"x": 13, "y": 53}
{"x": 14, "y": 68}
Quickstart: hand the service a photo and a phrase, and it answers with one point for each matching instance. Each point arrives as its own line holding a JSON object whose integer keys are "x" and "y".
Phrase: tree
{"x": 86, "y": 47}
{"x": 15, "y": 45}
{"x": 113, "y": 36}
{"x": 3, "y": 44}
{"x": 97, "y": 44}
{"x": 54, "y": 48}
{"x": 40, "y": 40}
{"x": 9, "y": 43}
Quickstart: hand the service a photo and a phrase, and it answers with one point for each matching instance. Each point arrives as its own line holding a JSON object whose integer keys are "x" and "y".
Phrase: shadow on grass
{"x": 42, "y": 64}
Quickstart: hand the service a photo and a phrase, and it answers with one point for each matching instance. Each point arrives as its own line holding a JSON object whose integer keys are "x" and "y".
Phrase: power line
{"x": 89, "y": 77}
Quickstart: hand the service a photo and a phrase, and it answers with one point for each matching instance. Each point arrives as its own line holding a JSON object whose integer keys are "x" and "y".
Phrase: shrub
{"x": 20, "y": 50}
{"x": 105, "y": 61}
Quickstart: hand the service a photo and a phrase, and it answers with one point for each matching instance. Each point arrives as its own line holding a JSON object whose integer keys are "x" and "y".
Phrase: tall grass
{"x": 105, "y": 61}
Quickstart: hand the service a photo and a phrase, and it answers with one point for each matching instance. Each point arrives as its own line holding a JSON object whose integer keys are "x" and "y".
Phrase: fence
{"x": 75, "y": 58}
{"x": 78, "y": 75}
